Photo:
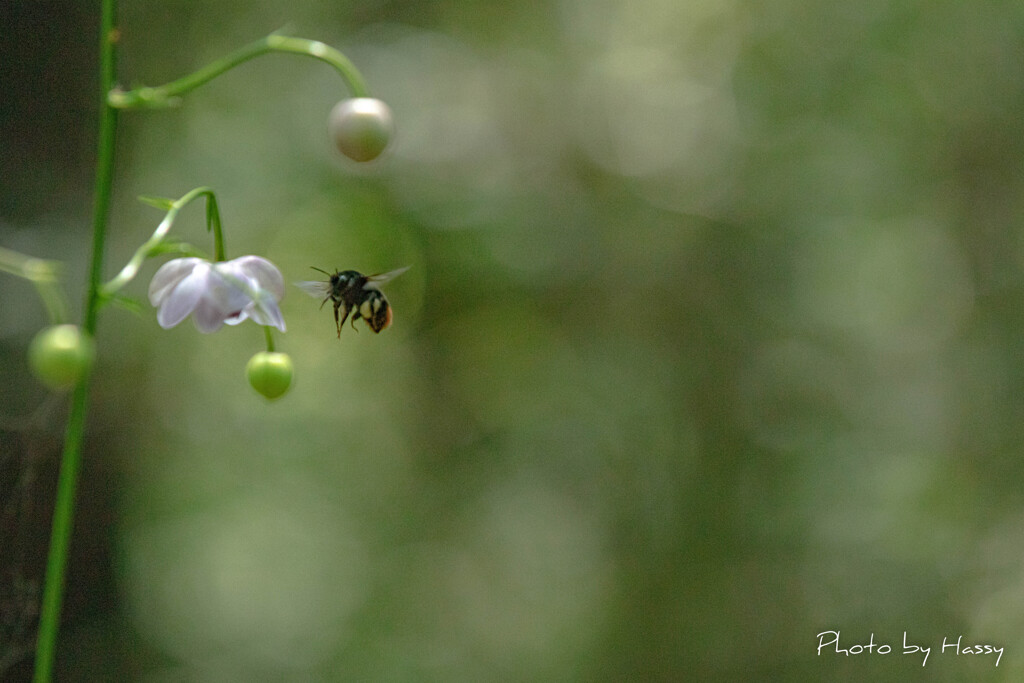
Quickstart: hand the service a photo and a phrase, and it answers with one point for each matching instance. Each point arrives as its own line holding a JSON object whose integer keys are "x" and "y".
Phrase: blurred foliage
{"x": 710, "y": 344}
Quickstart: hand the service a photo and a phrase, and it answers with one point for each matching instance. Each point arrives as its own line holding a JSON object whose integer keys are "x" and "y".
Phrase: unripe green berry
{"x": 61, "y": 355}
{"x": 270, "y": 373}
{"x": 361, "y": 127}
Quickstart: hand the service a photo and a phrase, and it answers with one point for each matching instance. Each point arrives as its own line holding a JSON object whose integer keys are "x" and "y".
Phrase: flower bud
{"x": 361, "y": 127}
{"x": 61, "y": 355}
{"x": 270, "y": 373}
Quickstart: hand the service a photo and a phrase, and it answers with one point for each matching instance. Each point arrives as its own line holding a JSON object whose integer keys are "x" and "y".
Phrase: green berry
{"x": 61, "y": 355}
{"x": 361, "y": 127}
{"x": 270, "y": 373}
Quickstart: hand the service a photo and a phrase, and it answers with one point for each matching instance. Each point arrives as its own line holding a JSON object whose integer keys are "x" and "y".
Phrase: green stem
{"x": 270, "y": 338}
{"x": 167, "y": 95}
{"x": 44, "y": 275}
{"x": 131, "y": 268}
{"x": 213, "y": 223}
{"x": 67, "y": 482}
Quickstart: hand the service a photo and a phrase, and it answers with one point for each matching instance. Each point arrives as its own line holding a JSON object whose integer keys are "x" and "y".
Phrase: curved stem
{"x": 131, "y": 268}
{"x": 168, "y": 95}
{"x": 67, "y": 482}
{"x": 44, "y": 275}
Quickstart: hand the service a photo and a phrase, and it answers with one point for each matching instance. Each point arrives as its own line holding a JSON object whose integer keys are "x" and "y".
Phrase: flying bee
{"x": 354, "y": 293}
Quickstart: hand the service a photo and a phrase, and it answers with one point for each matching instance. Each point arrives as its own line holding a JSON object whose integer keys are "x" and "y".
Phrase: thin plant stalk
{"x": 167, "y": 95}
{"x": 67, "y": 482}
{"x": 111, "y": 99}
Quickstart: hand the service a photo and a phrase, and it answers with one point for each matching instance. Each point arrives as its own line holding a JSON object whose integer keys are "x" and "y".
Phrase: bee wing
{"x": 373, "y": 280}
{"x": 317, "y": 290}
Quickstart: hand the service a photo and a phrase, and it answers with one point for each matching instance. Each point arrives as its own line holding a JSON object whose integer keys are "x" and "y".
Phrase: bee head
{"x": 345, "y": 277}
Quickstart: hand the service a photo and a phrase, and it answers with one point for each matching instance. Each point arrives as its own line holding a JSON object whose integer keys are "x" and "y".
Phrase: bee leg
{"x": 340, "y": 323}
{"x": 355, "y": 317}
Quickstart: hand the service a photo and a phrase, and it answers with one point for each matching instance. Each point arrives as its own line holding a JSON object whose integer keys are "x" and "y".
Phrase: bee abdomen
{"x": 375, "y": 310}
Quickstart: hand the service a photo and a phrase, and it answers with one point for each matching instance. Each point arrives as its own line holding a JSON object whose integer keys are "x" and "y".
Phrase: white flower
{"x": 218, "y": 293}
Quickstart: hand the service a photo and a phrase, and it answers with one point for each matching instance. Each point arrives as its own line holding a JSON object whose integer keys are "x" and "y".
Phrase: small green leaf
{"x": 178, "y": 249}
{"x": 212, "y": 214}
{"x": 128, "y": 303}
{"x": 161, "y": 203}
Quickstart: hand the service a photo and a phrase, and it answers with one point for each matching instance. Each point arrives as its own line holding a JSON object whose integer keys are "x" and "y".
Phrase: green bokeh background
{"x": 711, "y": 342}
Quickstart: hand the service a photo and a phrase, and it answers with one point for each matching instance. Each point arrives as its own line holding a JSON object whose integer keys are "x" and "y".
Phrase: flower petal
{"x": 168, "y": 276}
{"x": 183, "y": 298}
{"x": 221, "y": 300}
{"x": 265, "y": 273}
{"x": 239, "y": 317}
{"x": 226, "y": 293}
{"x": 265, "y": 311}
{"x": 217, "y": 293}
{"x": 208, "y": 318}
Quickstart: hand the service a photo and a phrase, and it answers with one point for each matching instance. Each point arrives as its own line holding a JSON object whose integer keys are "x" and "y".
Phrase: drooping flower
{"x": 218, "y": 293}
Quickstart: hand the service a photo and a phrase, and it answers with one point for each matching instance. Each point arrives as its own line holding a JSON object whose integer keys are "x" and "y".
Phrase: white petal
{"x": 207, "y": 318}
{"x": 228, "y": 295}
{"x": 218, "y": 293}
{"x": 265, "y": 273}
{"x": 168, "y": 276}
{"x": 266, "y": 312}
{"x": 181, "y": 301}
{"x": 241, "y": 317}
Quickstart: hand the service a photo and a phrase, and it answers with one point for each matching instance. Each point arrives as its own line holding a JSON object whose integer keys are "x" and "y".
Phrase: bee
{"x": 355, "y": 293}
